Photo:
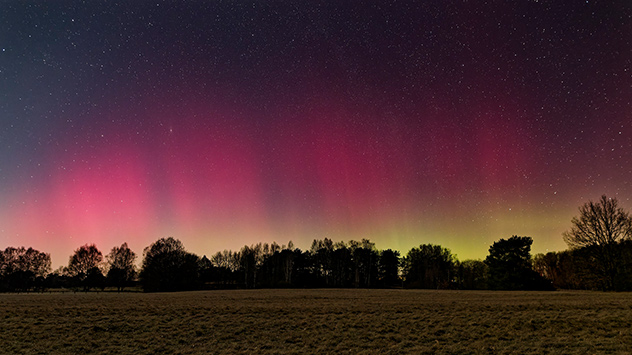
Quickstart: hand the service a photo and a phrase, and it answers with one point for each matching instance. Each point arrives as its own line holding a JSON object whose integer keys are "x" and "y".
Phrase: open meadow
{"x": 317, "y": 321}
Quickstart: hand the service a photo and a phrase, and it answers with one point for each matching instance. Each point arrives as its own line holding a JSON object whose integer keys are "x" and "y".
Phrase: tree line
{"x": 599, "y": 257}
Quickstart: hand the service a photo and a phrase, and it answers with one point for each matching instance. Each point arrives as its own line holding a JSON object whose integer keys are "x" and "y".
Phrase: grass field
{"x": 318, "y": 321}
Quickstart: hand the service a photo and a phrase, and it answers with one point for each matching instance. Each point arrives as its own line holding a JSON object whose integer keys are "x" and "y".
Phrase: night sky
{"x": 226, "y": 123}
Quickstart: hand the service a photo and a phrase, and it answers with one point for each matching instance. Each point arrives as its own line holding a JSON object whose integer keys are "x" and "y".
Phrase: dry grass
{"x": 318, "y": 321}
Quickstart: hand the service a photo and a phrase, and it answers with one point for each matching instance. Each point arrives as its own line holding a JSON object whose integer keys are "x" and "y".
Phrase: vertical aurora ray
{"x": 329, "y": 172}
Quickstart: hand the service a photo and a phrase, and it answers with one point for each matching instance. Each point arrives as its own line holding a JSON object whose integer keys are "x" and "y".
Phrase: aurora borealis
{"x": 225, "y": 123}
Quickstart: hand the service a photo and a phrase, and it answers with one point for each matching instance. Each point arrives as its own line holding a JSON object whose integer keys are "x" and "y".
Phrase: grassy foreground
{"x": 318, "y": 321}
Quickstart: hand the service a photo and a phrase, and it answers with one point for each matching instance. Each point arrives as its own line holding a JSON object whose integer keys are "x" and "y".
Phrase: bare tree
{"x": 251, "y": 258}
{"x": 23, "y": 269}
{"x": 84, "y": 259}
{"x": 599, "y": 224}
{"x": 221, "y": 259}
{"x": 598, "y": 231}
{"x": 121, "y": 266}
{"x": 22, "y": 259}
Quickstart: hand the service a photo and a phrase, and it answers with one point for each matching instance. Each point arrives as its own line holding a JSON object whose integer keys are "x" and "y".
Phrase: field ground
{"x": 318, "y": 321}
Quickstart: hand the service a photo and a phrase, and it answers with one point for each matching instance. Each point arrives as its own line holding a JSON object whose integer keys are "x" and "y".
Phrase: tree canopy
{"x": 509, "y": 265}
{"x": 22, "y": 268}
{"x": 167, "y": 266}
{"x": 429, "y": 266}
{"x": 122, "y": 270}
{"x": 88, "y": 256}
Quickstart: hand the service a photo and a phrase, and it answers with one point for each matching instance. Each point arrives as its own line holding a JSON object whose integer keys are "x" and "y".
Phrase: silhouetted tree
{"x": 343, "y": 266}
{"x": 94, "y": 279}
{"x": 564, "y": 269}
{"x": 321, "y": 260}
{"x": 226, "y": 266}
{"x": 38, "y": 263}
{"x": 277, "y": 268}
{"x": 509, "y": 266}
{"x": 20, "y": 280}
{"x": 388, "y": 268}
{"x": 207, "y": 271}
{"x": 472, "y": 275}
{"x": 122, "y": 270}
{"x": 251, "y": 258}
{"x": 23, "y": 269}
{"x": 85, "y": 258}
{"x": 624, "y": 277}
{"x": 429, "y": 266}
{"x": 287, "y": 263}
{"x": 599, "y": 230}
{"x": 303, "y": 274}
{"x": 364, "y": 257}
{"x": 58, "y": 279}
{"x": 167, "y": 266}
{"x": 226, "y": 259}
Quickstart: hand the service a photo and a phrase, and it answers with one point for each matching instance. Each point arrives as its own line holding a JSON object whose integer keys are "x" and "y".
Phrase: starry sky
{"x": 226, "y": 123}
